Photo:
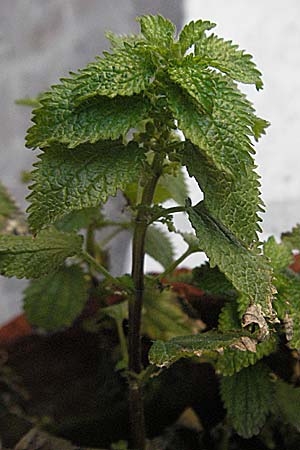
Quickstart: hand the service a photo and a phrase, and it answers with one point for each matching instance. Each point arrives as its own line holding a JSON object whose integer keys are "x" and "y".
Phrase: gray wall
{"x": 41, "y": 40}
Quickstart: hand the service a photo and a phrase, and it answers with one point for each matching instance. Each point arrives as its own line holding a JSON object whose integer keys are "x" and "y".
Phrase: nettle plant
{"x": 113, "y": 126}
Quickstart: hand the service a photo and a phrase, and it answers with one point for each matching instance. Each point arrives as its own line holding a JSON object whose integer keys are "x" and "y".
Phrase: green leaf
{"x": 118, "y": 41}
{"x": 292, "y": 239}
{"x": 67, "y": 180}
{"x": 157, "y": 30}
{"x": 118, "y": 311}
{"x": 194, "y": 79}
{"x": 25, "y": 256}
{"x": 82, "y": 218}
{"x": 212, "y": 281}
{"x": 192, "y": 33}
{"x": 248, "y": 397}
{"x": 287, "y": 403}
{"x": 158, "y": 245}
{"x": 175, "y": 187}
{"x": 127, "y": 71}
{"x": 246, "y": 269}
{"x": 163, "y": 317}
{"x": 229, "y": 318}
{"x": 287, "y": 305}
{"x": 232, "y": 361}
{"x": 54, "y": 301}
{"x": 259, "y": 127}
{"x": 163, "y": 354}
{"x": 223, "y": 134}
{"x": 169, "y": 187}
{"x": 60, "y": 120}
{"x": 279, "y": 254}
{"x": 225, "y": 56}
{"x": 233, "y": 200}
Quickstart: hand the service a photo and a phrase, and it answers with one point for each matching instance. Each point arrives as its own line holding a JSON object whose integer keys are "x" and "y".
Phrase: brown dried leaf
{"x": 254, "y": 315}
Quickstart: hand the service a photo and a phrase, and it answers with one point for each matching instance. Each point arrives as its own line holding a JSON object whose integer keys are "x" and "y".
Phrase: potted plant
{"x": 174, "y": 360}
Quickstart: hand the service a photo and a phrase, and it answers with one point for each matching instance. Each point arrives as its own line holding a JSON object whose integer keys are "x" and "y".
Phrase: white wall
{"x": 269, "y": 30}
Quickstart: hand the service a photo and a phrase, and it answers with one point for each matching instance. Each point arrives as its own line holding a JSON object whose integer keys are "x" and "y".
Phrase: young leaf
{"x": 279, "y": 255}
{"x": 163, "y": 354}
{"x": 287, "y": 403}
{"x": 224, "y": 134}
{"x": 54, "y": 301}
{"x": 60, "y": 120}
{"x": 127, "y": 71}
{"x": 192, "y": 33}
{"x": 248, "y": 397}
{"x": 157, "y": 30}
{"x": 249, "y": 272}
{"x": 158, "y": 245}
{"x": 25, "y": 256}
{"x": 225, "y": 56}
{"x": 233, "y": 200}
{"x": 68, "y": 180}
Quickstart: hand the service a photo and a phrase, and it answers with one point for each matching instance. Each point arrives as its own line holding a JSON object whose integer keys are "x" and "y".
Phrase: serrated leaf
{"x": 157, "y": 30}
{"x": 125, "y": 72}
{"x": 28, "y": 257}
{"x": 60, "y": 120}
{"x": 292, "y": 239}
{"x": 232, "y": 361}
{"x": 68, "y": 180}
{"x": 212, "y": 281}
{"x": 197, "y": 81}
{"x": 259, "y": 127}
{"x": 54, "y": 301}
{"x": 158, "y": 245}
{"x": 225, "y": 56}
{"x": 120, "y": 40}
{"x": 248, "y": 397}
{"x": 234, "y": 200}
{"x": 279, "y": 254}
{"x": 287, "y": 403}
{"x": 163, "y": 354}
{"x": 76, "y": 220}
{"x": 224, "y": 134}
{"x": 192, "y": 33}
{"x": 248, "y": 271}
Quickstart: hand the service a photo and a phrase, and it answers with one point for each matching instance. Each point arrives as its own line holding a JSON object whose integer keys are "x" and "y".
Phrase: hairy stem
{"x": 136, "y": 407}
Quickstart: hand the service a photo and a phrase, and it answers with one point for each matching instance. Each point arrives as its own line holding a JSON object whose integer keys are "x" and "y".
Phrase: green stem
{"x": 176, "y": 263}
{"x": 167, "y": 212}
{"x": 136, "y": 407}
{"x": 92, "y": 262}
